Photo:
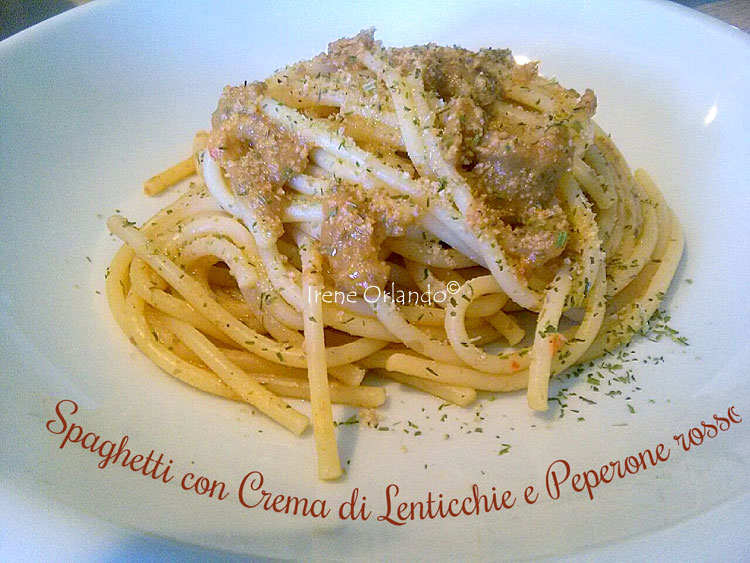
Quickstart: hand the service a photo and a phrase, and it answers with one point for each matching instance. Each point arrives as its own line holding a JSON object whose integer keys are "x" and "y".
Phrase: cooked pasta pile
{"x": 444, "y": 218}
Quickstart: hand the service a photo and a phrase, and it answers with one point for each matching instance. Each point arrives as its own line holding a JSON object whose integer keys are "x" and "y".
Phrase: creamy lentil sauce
{"x": 356, "y": 222}
{"x": 257, "y": 156}
{"x": 513, "y": 168}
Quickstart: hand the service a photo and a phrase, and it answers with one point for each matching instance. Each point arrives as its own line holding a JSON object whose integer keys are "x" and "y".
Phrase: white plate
{"x": 100, "y": 98}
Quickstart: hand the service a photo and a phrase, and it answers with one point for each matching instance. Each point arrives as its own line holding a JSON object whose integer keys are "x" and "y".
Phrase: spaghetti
{"x": 445, "y": 218}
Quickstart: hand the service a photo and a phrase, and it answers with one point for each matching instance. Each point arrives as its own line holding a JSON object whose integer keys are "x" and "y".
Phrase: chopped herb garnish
{"x": 562, "y": 238}
{"x": 351, "y": 420}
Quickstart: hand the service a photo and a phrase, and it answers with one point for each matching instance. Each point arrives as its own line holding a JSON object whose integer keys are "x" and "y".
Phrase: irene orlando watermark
{"x": 374, "y": 294}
